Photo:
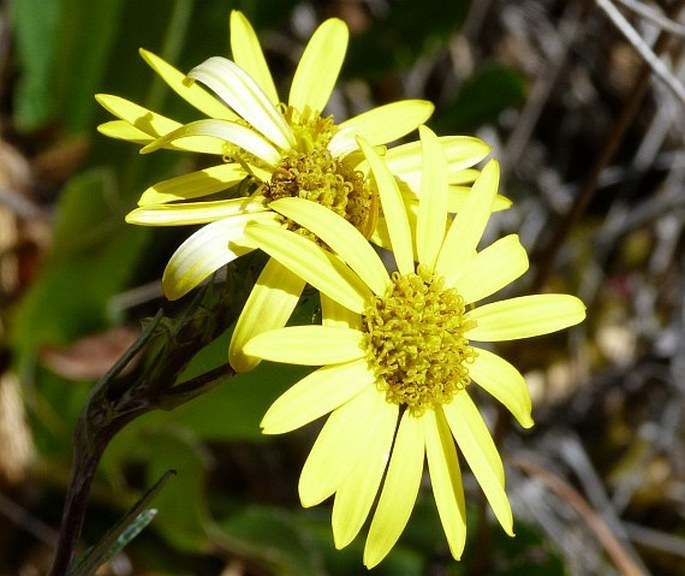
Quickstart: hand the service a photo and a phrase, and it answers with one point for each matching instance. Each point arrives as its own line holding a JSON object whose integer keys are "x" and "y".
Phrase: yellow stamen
{"x": 311, "y": 172}
{"x": 414, "y": 337}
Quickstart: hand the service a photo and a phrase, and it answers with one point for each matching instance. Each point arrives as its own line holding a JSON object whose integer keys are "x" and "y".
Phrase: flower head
{"x": 398, "y": 352}
{"x": 282, "y": 149}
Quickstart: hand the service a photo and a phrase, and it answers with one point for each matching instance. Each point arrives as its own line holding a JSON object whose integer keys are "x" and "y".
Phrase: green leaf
{"x": 273, "y": 537}
{"x": 401, "y": 561}
{"x": 183, "y": 518}
{"x": 35, "y": 39}
{"x": 62, "y": 47}
{"x": 93, "y": 257}
{"x": 183, "y": 515}
{"x": 482, "y": 98}
{"x": 529, "y": 554}
{"x": 401, "y": 35}
{"x": 120, "y": 535}
{"x": 85, "y": 38}
{"x": 233, "y": 410}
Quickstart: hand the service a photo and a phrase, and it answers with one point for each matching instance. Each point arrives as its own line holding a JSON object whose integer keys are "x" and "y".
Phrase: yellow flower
{"x": 398, "y": 352}
{"x": 280, "y": 150}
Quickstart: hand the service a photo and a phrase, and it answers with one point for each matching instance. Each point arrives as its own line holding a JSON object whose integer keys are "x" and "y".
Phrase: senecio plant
{"x": 389, "y": 237}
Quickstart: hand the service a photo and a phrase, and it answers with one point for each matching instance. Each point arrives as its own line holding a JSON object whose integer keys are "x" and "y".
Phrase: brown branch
{"x": 616, "y": 551}
{"x": 546, "y": 259}
{"x": 165, "y": 347}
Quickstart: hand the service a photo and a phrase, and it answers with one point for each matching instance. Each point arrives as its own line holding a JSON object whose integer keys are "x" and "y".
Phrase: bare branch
{"x": 654, "y": 16}
{"x": 655, "y": 63}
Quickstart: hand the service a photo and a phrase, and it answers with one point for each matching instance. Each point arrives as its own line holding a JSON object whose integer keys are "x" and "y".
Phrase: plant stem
{"x": 83, "y": 471}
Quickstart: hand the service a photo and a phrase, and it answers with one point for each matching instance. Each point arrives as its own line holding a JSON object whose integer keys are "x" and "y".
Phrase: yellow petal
{"x": 199, "y": 144}
{"x": 319, "y": 67}
{"x": 237, "y": 89}
{"x": 380, "y": 125}
{"x": 341, "y": 236}
{"x": 500, "y": 379}
{"x": 207, "y": 250}
{"x": 122, "y": 130}
{"x": 468, "y": 225}
{"x": 461, "y": 153}
{"x": 194, "y": 185}
{"x": 323, "y": 270}
{"x": 247, "y": 53}
{"x": 145, "y": 120}
{"x": 479, "y": 450}
{"x": 307, "y": 345}
{"x": 263, "y": 175}
{"x": 524, "y": 317}
{"x": 357, "y": 493}
{"x": 269, "y": 306}
{"x": 456, "y": 196}
{"x": 462, "y": 177}
{"x": 318, "y": 393}
{"x": 381, "y": 236}
{"x": 445, "y": 475}
{"x": 220, "y": 132}
{"x": 491, "y": 269}
{"x": 393, "y": 209}
{"x": 189, "y": 91}
{"x": 333, "y": 314}
{"x": 342, "y": 442}
{"x": 192, "y": 212}
{"x": 399, "y": 492}
{"x": 430, "y": 230}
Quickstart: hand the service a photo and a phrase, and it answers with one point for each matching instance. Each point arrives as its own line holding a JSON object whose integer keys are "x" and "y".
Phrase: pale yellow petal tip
{"x": 492, "y": 170}
{"x": 172, "y": 291}
{"x": 342, "y": 539}
{"x": 337, "y": 23}
{"x": 426, "y": 108}
{"x": 241, "y": 362}
{"x": 270, "y": 425}
{"x": 583, "y": 308}
{"x": 526, "y": 421}
{"x": 175, "y": 286}
{"x": 149, "y": 57}
{"x": 372, "y": 557}
{"x": 268, "y": 430}
{"x": 237, "y": 15}
{"x": 576, "y": 312}
{"x": 133, "y": 217}
{"x": 457, "y": 555}
{"x": 307, "y": 499}
{"x": 102, "y": 128}
{"x": 425, "y": 131}
{"x": 308, "y": 504}
{"x": 502, "y": 203}
{"x": 506, "y": 520}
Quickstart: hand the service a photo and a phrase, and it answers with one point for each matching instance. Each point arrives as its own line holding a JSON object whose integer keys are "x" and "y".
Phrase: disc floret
{"x": 310, "y": 171}
{"x": 415, "y": 343}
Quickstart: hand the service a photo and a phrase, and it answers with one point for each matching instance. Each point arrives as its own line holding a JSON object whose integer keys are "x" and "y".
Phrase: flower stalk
{"x": 161, "y": 354}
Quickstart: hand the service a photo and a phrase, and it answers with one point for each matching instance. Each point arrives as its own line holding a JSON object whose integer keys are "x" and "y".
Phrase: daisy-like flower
{"x": 281, "y": 150}
{"x": 397, "y": 353}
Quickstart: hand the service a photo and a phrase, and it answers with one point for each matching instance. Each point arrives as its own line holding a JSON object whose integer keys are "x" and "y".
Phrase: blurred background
{"x": 589, "y": 129}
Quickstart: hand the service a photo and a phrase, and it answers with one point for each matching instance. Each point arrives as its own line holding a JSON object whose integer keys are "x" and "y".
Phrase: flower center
{"x": 311, "y": 172}
{"x": 311, "y": 130}
{"x": 415, "y": 343}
